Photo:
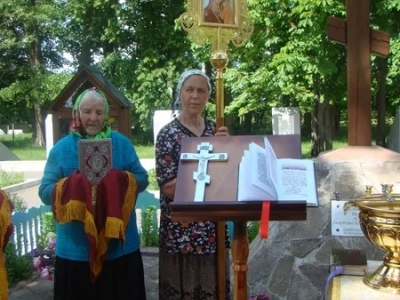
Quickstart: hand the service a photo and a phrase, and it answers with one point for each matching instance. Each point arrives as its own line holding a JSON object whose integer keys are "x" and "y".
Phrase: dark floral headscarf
{"x": 76, "y": 124}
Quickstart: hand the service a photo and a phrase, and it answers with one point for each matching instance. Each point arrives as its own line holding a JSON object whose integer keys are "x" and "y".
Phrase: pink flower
{"x": 52, "y": 243}
{"x": 37, "y": 263}
{"x": 45, "y": 273}
{"x": 43, "y": 258}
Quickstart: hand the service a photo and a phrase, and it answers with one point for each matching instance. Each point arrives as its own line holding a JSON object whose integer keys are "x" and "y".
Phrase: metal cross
{"x": 200, "y": 176}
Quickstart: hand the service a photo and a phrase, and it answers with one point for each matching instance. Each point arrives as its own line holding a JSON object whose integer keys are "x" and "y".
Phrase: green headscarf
{"x": 76, "y": 124}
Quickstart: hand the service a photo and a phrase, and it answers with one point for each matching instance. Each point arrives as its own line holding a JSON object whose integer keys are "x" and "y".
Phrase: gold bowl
{"x": 380, "y": 223}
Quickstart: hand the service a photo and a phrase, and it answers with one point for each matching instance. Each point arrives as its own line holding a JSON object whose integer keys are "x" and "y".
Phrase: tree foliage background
{"x": 140, "y": 47}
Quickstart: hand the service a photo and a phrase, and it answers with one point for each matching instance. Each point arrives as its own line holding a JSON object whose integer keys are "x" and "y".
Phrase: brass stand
{"x": 387, "y": 277}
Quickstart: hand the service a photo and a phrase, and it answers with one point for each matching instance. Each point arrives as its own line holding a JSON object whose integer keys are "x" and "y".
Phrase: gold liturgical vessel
{"x": 379, "y": 216}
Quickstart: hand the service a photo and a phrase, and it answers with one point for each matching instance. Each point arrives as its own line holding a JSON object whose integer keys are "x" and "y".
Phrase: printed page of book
{"x": 296, "y": 181}
{"x": 271, "y": 161}
{"x": 247, "y": 190}
{"x": 261, "y": 171}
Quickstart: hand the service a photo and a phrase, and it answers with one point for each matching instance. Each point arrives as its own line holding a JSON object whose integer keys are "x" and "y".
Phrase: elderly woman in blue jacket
{"x": 98, "y": 245}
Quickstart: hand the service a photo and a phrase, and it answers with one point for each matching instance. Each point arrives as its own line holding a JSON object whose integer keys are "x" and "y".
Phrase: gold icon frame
{"x": 218, "y": 34}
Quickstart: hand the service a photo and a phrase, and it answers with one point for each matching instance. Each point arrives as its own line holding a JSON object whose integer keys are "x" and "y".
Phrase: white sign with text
{"x": 344, "y": 224}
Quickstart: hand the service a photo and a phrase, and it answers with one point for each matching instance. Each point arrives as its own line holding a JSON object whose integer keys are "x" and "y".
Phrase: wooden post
{"x": 360, "y": 41}
{"x": 240, "y": 253}
{"x": 358, "y": 72}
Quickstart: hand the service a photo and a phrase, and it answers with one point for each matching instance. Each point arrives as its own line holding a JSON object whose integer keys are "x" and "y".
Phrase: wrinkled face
{"x": 194, "y": 95}
{"x": 92, "y": 115}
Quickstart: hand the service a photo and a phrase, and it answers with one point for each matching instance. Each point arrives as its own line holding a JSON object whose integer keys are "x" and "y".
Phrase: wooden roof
{"x": 86, "y": 77}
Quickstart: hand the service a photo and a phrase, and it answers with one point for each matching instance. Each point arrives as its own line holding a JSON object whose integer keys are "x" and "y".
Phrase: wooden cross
{"x": 361, "y": 41}
{"x": 200, "y": 176}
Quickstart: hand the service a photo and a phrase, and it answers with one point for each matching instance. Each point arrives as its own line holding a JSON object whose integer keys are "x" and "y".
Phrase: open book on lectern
{"x": 262, "y": 176}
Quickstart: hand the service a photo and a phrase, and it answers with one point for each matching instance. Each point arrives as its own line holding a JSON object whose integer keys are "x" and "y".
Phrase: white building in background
{"x": 161, "y": 118}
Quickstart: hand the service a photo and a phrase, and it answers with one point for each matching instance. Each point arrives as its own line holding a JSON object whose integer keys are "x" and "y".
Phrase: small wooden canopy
{"x": 86, "y": 77}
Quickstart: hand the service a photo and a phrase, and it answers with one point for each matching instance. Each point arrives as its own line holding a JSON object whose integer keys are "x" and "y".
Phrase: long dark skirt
{"x": 190, "y": 277}
{"x": 120, "y": 279}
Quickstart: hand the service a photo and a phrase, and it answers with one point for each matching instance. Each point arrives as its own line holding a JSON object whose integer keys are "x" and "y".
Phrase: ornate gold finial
{"x": 387, "y": 190}
{"x": 368, "y": 190}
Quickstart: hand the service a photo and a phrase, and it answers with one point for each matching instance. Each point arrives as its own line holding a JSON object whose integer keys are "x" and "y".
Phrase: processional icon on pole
{"x": 218, "y": 22}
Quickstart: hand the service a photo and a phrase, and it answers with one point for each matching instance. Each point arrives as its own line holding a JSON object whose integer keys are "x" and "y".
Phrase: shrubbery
{"x": 42, "y": 258}
{"x": 149, "y": 230}
{"x": 252, "y": 230}
{"x": 153, "y": 185}
{"x": 18, "y": 267}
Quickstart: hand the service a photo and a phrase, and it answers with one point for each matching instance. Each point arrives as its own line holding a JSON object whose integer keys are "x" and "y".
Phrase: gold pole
{"x": 219, "y": 60}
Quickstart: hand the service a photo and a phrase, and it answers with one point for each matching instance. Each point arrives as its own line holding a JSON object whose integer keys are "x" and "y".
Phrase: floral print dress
{"x": 194, "y": 243}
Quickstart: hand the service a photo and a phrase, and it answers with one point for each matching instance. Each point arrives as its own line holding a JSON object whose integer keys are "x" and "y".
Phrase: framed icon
{"x": 218, "y": 13}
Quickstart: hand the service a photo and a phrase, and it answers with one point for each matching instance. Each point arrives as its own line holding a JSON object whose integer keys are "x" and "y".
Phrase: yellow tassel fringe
{"x": 114, "y": 227}
{"x": 5, "y": 221}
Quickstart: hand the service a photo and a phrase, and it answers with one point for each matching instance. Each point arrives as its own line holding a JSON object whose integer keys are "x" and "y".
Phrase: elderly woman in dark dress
{"x": 188, "y": 261}
{"x": 98, "y": 243}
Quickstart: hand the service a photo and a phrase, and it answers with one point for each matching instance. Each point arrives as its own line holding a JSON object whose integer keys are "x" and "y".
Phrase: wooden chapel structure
{"x": 86, "y": 77}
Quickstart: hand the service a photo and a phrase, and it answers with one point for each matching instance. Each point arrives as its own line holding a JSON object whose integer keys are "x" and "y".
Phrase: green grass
{"x": 10, "y": 178}
{"x": 306, "y": 147}
{"x": 145, "y": 151}
{"x": 22, "y": 146}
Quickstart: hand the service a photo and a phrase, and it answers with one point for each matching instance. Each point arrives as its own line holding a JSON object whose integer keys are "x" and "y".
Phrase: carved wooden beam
{"x": 337, "y": 32}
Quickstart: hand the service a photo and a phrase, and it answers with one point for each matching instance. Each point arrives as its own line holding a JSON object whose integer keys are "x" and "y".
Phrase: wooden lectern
{"x": 221, "y": 203}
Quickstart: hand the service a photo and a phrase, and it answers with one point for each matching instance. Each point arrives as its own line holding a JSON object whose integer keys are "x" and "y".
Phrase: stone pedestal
{"x": 293, "y": 263}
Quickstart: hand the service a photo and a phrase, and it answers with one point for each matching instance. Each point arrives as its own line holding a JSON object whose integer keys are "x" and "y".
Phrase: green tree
{"x": 385, "y": 16}
{"x": 141, "y": 48}
{"x": 160, "y": 59}
{"x": 288, "y": 62}
{"x": 29, "y": 36}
